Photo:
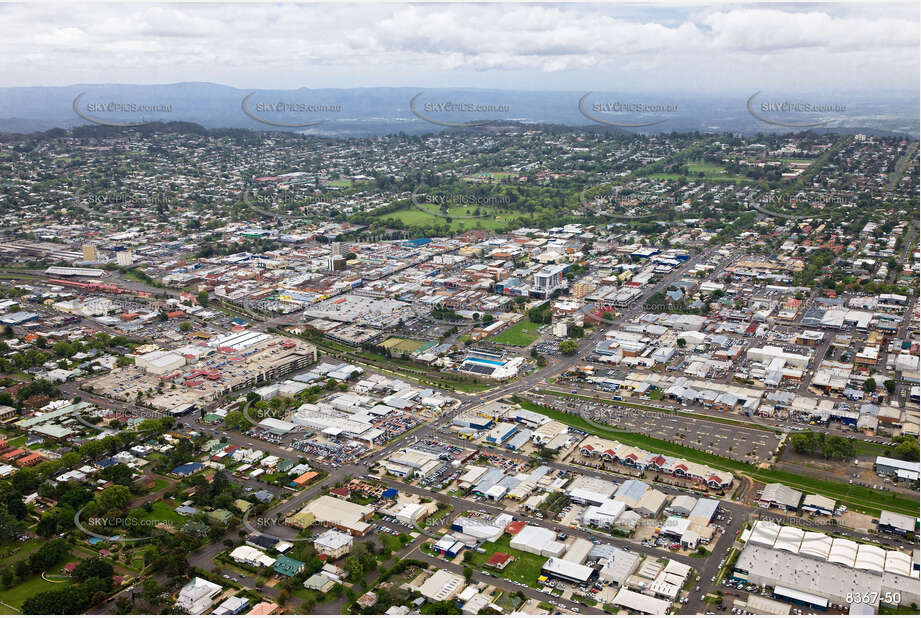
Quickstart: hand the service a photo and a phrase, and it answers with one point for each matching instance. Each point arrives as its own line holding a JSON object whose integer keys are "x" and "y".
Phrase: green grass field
{"x": 521, "y": 334}
{"x": 420, "y": 218}
{"x": 163, "y": 512}
{"x": 525, "y": 568}
{"x": 19, "y": 594}
{"x": 15, "y": 551}
{"x": 398, "y": 345}
{"x": 711, "y": 172}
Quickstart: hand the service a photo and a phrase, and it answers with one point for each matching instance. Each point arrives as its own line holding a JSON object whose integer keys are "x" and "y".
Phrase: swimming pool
{"x": 474, "y": 359}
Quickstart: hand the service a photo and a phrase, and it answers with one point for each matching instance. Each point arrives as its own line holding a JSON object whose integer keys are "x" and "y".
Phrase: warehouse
{"x": 892, "y": 467}
{"x": 813, "y": 563}
{"x": 640, "y": 603}
{"x": 501, "y": 432}
{"x": 683, "y": 505}
{"x": 441, "y": 585}
{"x": 776, "y": 495}
{"x": 651, "y": 504}
{"x": 631, "y": 492}
{"x": 603, "y": 515}
{"x": 703, "y": 512}
{"x": 896, "y": 523}
{"x": 479, "y": 529}
{"x": 568, "y": 571}
{"x": 448, "y": 546}
{"x": 537, "y": 540}
{"x": 578, "y": 550}
{"x": 590, "y": 490}
{"x": 820, "y": 505}
{"x": 346, "y": 516}
{"x": 767, "y": 354}
{"x": 619, "y": 567}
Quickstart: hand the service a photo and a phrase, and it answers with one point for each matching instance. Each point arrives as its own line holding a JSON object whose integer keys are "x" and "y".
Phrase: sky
{"x": 666, "y": 48}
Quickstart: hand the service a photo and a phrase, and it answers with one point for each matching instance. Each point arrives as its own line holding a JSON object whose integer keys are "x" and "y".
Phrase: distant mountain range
{"x": 363, "y": 112}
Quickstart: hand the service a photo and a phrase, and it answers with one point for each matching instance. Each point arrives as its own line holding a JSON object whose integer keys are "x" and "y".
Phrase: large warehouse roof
{"x": 843, "y": 551}
{"x": 789, "y": 539}
{"x": 870, "y": 558}
{"x": 776, "y": 493}
{"x": 815, "y": 545}
{"x": 764, "y": 533}
{"x": 568, "y": 569}
{"x": 898, "y": 562}
{"x": 640, "y": 602}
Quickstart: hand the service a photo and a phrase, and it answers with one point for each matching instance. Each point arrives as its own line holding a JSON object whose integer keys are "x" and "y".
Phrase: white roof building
{"x": 441, "y": 585}
{"x": 198, "y": 595}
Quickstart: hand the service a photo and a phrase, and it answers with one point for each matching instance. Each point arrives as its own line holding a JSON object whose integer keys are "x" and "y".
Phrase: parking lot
{"x": 738, "y": 442}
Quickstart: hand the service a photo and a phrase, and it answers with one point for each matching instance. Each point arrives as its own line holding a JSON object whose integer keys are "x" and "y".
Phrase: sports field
{"x": 520, "y": 334}
{"x": 420, "y": 218}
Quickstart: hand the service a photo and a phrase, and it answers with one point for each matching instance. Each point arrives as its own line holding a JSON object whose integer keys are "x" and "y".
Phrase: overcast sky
{"x": 655, "y": 48}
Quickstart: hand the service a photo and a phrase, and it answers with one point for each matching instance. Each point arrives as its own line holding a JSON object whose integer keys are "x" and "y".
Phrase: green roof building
{"x": 288, "y": 566}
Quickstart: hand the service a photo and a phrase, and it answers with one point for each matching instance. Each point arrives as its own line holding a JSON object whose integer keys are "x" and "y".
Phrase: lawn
{"x": 15, "y": 551}
{"x": 856, "y": 497}
{"x": 162, "y": 512}
{"x": 420, "y": 218}
{"x": 711, "y": 171}
{"x": 525, "y": 568}
{"x": 521, "y": 334}
{"x": 19, "y": 594}
{"x": 396, "y": 345}
{"x": 158, "y": 485}
{"x": 436, "y": 517}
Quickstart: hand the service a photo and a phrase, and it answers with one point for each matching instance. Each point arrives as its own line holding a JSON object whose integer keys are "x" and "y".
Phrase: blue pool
{"x": 485, "y": 361}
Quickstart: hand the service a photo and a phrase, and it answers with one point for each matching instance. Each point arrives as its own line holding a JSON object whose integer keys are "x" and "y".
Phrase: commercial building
{"x": 815, "y": 569}
{"x": 568, "y": 571}
{"x": 537, "y": 540}
{"x": 897, "y": 523}
{"x": 777, "y": 495}
{"x": 820, "y": 505}
{"x": 548, "y": 280}
{"x": 640, "y": 603}
{"x": 346, "y": 516}
{"x": 897, "y": 468}
{"x": 441, "y": 585}
{"x": 160, "y": 362}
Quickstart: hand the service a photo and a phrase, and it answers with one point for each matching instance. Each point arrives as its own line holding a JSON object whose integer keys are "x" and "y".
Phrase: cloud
{"x": 512, "y": 46}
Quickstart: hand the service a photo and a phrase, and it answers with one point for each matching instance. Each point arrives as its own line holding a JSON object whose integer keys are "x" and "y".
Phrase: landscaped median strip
{"x": 853, "y": 496}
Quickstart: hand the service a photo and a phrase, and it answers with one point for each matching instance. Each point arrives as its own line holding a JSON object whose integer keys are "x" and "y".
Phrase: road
{"x": 707, "y": 567}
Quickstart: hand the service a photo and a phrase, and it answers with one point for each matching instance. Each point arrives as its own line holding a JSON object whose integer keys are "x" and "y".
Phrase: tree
{"x": 468, "y": 572}
{"x": 869, "y": 385}
{"x": 113, "y": 497}
{"x": 440, "y": 607}
{"x": 681, "y": 342}
{"x": 568, "y": 347}
{"x": 185, "y": 326}
{"x": 908, "y": 450}
{"x": 890, "y": 386}
{"x": 235, "y": 419}
{"x": 94, "y": 567}
{"x": 202, "y": 298}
